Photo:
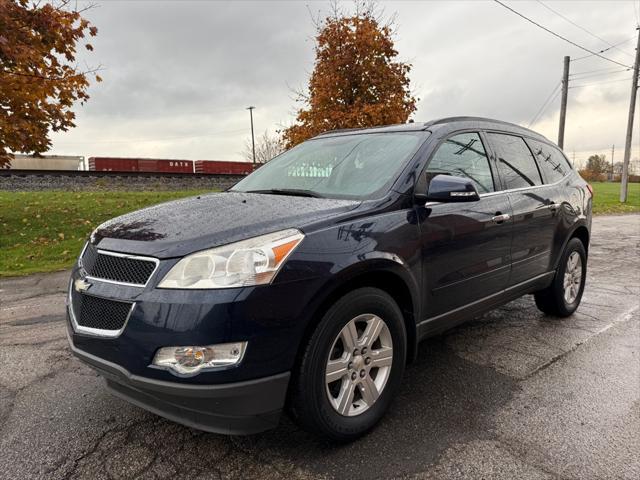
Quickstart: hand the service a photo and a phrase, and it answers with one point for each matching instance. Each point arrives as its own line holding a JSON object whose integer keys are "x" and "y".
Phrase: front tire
{"x": 351, "y": 367}
{"x": 563, "y": 296}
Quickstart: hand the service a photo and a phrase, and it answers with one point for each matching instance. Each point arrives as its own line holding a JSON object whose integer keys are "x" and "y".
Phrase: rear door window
{"x": 517, "y": 167}
{"x": 551, "y": 161}
{"x": 463, "y": 155}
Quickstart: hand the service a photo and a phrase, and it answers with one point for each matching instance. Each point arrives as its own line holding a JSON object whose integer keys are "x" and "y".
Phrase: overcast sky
{"x": 179, "y": 74}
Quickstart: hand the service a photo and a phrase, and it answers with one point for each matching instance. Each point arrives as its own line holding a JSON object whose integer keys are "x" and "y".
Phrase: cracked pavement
{"x": 511, "y": 394}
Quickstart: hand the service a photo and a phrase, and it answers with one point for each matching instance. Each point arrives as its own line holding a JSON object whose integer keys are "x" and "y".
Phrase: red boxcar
{"x": 115, "y": 164}
{"x": 118, "y": 164}
{"x": 165, "y": 166}
{"x": 108, "y": 164}
{"x": 220, "y": 167}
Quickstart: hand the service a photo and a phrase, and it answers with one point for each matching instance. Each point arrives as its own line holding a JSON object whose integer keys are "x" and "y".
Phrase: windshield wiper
{"x": 288, "y": 191}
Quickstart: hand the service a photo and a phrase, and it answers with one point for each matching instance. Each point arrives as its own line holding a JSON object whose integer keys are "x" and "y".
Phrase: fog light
{"x": 190, "y": 360}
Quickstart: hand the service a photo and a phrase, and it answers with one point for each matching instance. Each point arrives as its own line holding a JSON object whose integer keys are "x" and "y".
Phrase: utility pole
{"x": 563, "y": 103}
{"x": 253, "y": 140}
{"x": 627, "y": 144}
{"x": 613, "y": 150}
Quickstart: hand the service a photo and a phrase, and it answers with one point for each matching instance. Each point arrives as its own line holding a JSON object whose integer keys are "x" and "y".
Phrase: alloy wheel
{"x": 572, "y": 278}
{"x": 359, "y": 365}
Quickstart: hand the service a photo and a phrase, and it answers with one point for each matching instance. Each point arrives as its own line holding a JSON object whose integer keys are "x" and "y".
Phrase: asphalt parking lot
{"x": 512, "y": 394}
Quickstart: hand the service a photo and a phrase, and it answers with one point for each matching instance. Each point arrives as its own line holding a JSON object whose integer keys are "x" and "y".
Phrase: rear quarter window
{"x": 551, "y": 161}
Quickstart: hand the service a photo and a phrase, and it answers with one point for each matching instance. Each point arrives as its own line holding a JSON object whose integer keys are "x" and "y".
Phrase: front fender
{"x": 381, "y": 250}
{"x": 377, "y": 263}
{"x": 385, "y": 242}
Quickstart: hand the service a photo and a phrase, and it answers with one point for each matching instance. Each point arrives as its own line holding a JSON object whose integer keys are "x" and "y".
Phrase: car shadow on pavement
{"x": 444, "y": 399}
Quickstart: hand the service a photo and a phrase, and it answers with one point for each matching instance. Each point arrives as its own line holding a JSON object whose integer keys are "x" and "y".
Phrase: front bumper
{"x": 272, "y": 319}
{"x": 242, "y": 399}
{"x": 238, "y": 408}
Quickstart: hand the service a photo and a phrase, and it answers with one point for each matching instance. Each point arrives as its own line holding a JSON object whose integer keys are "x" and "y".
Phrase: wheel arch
{"x": 388, "y": 276}
{"x": 581, "y": 233}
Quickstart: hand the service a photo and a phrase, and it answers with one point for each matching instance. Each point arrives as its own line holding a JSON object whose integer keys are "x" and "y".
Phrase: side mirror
{"x": 449, "y": 188}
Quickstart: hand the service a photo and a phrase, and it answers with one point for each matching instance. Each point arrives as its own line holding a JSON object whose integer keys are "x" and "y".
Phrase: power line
{"x": 604, "y": 49}
{"x": 599, "y": 83}
{"x": 550, "y": 102}
{"x": 597, "y": 54}
{"x": 580, "y": 77}
{"x": 547, "y": 102}
{"x": 596, "y": 149}
{"x": 609, "y": 69}
{"x": 582, "y": 28}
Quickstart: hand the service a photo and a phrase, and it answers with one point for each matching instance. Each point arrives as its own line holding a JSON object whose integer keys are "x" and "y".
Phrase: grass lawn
{"x": 44, "y": 231}
{"x": 607, "y": 198}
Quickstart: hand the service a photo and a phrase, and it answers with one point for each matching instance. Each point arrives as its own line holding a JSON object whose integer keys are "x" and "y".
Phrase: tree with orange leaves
{"x": 357, "y": 80}
{"x": 39, "y": 81}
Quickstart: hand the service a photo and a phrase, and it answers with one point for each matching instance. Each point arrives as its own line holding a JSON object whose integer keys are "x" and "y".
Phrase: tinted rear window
{"x": 516, "y": 164}
{"x": 551, "y": 161}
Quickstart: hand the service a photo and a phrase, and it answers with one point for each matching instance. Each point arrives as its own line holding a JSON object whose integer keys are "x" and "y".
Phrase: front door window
{"x": 463, "y": 155}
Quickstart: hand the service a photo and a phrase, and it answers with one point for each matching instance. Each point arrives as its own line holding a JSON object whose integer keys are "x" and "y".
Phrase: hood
{"x": 184, "y": 226}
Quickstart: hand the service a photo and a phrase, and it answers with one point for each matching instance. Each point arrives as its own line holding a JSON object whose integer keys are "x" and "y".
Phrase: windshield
{"x": 350, "y": 166}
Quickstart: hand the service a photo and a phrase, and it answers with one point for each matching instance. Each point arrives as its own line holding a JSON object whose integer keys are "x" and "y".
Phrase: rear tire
{"x": 351, "y": 366}
{"x": 563, "y": 296}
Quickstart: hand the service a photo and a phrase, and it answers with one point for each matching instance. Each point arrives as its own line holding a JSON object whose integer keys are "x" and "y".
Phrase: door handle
{"x": 500, "y": 218}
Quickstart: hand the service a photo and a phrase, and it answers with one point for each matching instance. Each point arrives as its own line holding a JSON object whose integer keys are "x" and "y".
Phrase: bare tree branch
{"x": 267, "y": 147}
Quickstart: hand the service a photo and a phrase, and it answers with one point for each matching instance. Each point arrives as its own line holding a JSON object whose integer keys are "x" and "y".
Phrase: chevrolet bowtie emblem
{"x": 81, "y": 285}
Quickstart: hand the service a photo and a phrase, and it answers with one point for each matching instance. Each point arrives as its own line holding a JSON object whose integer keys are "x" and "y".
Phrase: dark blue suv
{"x": 309, "y": 284}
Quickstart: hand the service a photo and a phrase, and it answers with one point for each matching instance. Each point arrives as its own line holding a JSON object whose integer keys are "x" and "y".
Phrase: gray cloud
{"x": 178, "y": 75}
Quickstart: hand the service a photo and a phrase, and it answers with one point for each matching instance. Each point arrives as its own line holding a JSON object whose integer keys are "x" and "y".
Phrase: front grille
{"x": 117, "y": 267}
{"x": 100, "y": 313}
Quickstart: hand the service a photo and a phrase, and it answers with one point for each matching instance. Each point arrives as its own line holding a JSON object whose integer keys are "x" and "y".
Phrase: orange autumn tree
{"x": 357, "y": 80}
{"x": 39, "y": 80}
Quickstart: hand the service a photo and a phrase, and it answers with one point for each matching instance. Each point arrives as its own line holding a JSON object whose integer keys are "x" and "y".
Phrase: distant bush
{"x": 591, "y": 176}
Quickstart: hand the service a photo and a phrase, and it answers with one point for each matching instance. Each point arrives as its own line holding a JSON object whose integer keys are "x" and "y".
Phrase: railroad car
{"x": 165, "y": 166}
{"x": 46, "y": 162}
{"x": 108, "y": 164}
{"x": 212, "y": 167}
{"x": 117, "y": 164}
{"x": 221, "y": 167}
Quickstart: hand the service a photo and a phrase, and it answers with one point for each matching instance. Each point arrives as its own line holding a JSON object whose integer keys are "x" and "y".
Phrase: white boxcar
{"x": 47, "y": 162}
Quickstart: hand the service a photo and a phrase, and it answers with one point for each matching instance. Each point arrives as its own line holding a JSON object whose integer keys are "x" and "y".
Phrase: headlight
{"x": 191, "y": 360}
{"x": 249, "y": 262}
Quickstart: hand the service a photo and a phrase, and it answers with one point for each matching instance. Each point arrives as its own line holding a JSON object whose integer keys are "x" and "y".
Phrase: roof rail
{"x": 413, "y": 126}
{"x": 440, "y": 121}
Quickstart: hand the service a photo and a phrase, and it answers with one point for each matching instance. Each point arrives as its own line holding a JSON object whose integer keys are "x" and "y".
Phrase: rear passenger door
{"x": 556, "y": 171}
{"x": 465, "y": 245}
{"x": 534, "y": 207}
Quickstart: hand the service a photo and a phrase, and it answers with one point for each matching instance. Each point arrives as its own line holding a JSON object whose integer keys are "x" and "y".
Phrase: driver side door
{"x": 465, "y": 245}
